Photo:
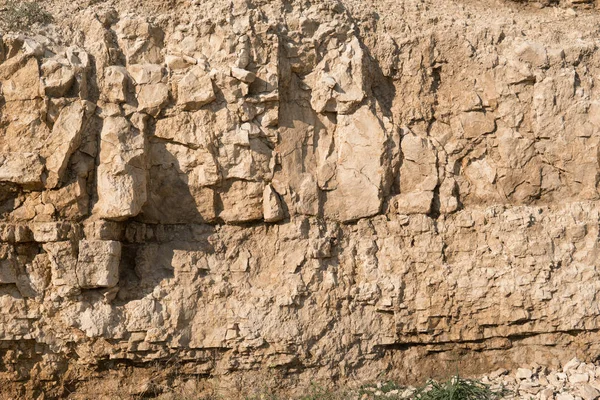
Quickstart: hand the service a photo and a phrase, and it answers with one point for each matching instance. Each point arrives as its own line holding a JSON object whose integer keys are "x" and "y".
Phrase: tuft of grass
{"x": 21, "y": 15}
{"x": 457, "y": 388}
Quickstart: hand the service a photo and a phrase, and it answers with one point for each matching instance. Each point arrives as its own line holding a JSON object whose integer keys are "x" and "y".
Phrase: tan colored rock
{"x": 523, "y": 373}
{"x": 70, "y": 202}
{"x": 195, "y": 90}
{"x": 65, "y": 139}
{"x": 413, "y": 202}
{"x": 63, "y": 262}
{"x": 115, "y": 87}
{"x": 140, "y": 40}
{"x": 146, "y": 74}
{"x": 338, "y": 80}
{"x": 50, "y": 231}
{"x": 98, "y": 263}
{"x": 8, "y": 265}
{"x": 249, "y": 201}
{"x": 177, "y": 62}
{"x": 242, "y": 202}
{"x": 360, "y": 139}
{"x": 272, "y": 208}
{"x": 191, "y": 129}
{"x": 588, "y": 392}
{"x": 171, "y": 200}
{"x": 58, "y": 77}
{"x": 121, "y": 174}
{"x": 475, "y": 124}
{"x": 243, "y": 75}
{"x": 152, "y": 98}
{"x": 419, "y": 167}
{"x": 21, "y": 168}
{"x": 24, "y": 84}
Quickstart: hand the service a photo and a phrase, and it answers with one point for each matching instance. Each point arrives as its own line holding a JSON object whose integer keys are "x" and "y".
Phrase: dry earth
{"x": 260, "y": 192}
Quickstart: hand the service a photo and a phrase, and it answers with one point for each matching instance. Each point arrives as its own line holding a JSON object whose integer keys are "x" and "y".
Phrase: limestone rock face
{"x": 195, "y": 90}
{"x": 65, "y": 138}
{"x": 21, "y": 168}
{"x": 272, "y": 209}
{"x": 122, "y": 171}
{"x": 98, "y": 263}
{"x": 115, "y": 81}
{"x": 324, "y": 189}
{"x": 24, "y": 83}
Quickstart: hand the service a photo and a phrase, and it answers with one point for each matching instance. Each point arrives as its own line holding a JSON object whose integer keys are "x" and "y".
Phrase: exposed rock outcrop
{"x": 326, "y": 190}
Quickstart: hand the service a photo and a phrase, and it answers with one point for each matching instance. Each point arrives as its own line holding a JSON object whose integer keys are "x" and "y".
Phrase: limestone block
{"x": 115, "y": 86}
{"x": 50, "y": 231}
{"x": 103, "y": 230}
{"x": 337, "y": 82}
{"x": 360, "y": 141}
{"x": 241, "y": 161}
{"x": 98, "y": 263}
{"x": 58, "y": 77}
{"x": 243, "y": 75}
{"x": 242, "y": 202}
{"x": 531, "y": 53}
{"x": 122, "y": 171}
{"x": 21, "y": 168}
{"x": 140, "y": 40}
{"x": 24, "y": 84}
{"x": 199, "y": 165}
{"x": 272, "y": 208}
{"x": 475, "y": 124}
{"x": 146, "y": 74}
{"x": 24, "y": 126}
{"x": 71, "y": 201}
{"x": 448, "y": 200}
{"x": 179, "y": 128}
{"x": 65, "y": 139}
{"x": 63, "y": 262}
{"x": 413, "y": 202}
{"x": 195, "y": 89}
{"x": 8, "y": 264}
{"x": 419, "y": 169}
{"x": 171, "y": 199}
{"x": 178, "y": 62}
{"x": 152, "y": 98}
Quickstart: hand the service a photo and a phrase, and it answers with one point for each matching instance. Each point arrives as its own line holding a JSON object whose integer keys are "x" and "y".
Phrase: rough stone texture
{"x": 65, "y": 139}
{"x": 122, "y": 171}
{"x": 305, "y": 191}
{"x": 98, "y": 263}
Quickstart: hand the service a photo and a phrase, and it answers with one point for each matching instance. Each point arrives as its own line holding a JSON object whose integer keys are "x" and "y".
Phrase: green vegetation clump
{"x": 457, "y": 388}
{"x": 21, "y": 15}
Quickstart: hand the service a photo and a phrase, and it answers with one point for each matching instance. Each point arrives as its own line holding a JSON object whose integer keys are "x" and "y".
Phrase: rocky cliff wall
{"x": 297, "y": 191}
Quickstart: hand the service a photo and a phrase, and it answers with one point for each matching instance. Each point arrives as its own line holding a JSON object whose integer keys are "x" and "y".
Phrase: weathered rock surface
{"x": 98, "y": 263}
{"x": 322, "y": 190}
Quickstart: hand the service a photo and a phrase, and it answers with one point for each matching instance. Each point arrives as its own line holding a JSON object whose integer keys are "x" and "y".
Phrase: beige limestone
{"x": 21, "y": 168}
{"x": 322, "y": 191}
{"x": 98, "y": 263}
{"x": 195, "y": 89}
{"x": 121, "y": 174}
{"x": 65, "y": 138}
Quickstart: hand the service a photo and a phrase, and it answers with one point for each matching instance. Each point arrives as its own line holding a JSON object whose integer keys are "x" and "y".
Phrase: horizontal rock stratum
{"x": 247, "y": 191}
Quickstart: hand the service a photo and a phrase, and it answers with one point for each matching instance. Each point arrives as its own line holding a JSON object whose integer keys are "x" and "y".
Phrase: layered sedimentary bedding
{"x": 303, "y": 190}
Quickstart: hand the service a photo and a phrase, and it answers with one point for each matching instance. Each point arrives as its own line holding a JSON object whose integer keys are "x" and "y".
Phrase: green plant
{"x": 21, "y": 15}
{"x": 457, "y": 388}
